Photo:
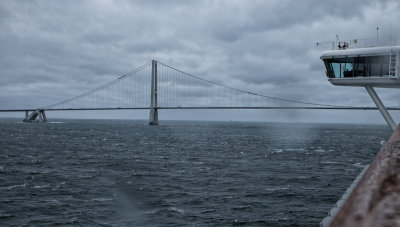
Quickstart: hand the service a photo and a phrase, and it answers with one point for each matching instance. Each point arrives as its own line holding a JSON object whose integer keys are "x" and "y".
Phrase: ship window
{"x": 336, "y": 69}
{"x": 371, "y": 66}
{"x": 339, "y": 67}
{"x": 346, "y": 67}
{"x": 359, "y": 66}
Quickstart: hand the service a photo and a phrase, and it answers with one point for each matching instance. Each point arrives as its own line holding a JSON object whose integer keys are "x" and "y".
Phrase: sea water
{"x": 181, "y": 173}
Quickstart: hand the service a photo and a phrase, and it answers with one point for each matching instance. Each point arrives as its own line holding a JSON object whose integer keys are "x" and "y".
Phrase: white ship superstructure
{"x": 348, "y": 64}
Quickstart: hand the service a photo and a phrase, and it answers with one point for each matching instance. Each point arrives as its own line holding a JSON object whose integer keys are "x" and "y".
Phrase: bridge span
{"x": 157, "y": 86}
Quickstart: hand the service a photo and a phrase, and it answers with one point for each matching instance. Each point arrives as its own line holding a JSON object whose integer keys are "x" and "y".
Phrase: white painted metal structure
{"x": 374, "y": 66}
{"x": 365, "y": 67}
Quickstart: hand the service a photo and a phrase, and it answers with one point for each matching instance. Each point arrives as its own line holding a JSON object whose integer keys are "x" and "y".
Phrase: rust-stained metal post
{"x": 375, "y": 200}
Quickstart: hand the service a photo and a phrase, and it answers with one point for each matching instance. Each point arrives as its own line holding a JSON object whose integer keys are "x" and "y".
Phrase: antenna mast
{"x": 377, "y": 32}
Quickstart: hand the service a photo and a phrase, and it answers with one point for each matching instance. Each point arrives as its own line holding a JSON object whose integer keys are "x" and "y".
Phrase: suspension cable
{"x": 251, "y": 93}
{"x": 131, "y": 73}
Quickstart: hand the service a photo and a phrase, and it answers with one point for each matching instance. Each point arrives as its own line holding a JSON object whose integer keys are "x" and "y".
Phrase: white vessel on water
{"x": 366, "y": 64}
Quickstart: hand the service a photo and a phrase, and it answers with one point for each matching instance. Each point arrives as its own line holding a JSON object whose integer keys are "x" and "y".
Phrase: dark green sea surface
{"x": 126, "y": 173}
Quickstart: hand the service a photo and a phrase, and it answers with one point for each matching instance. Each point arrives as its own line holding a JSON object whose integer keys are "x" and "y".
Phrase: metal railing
{"x": 360, "y": 43}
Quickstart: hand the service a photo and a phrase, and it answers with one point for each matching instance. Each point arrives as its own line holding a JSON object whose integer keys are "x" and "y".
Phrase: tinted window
{"x": 372, "y": 66}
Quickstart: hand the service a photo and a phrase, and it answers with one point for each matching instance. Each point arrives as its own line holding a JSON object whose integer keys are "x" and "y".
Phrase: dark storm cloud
{"x": 63, "y": 48}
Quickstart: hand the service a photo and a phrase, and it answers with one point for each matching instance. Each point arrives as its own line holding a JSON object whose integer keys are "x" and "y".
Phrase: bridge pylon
{"x": 153, "y": 119}
{"x": 35, "y": 114}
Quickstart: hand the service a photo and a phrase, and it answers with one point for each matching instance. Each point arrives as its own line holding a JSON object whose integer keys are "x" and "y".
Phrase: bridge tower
{"x": 32, "y": 117}
{"x": 153, "y": 119}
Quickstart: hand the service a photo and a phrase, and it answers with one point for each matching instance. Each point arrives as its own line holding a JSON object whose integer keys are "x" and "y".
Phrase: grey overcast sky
{"x": 52, "y": 49}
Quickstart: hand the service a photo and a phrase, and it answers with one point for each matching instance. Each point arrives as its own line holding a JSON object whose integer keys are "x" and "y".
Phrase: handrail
{"x": 375, "y": 200}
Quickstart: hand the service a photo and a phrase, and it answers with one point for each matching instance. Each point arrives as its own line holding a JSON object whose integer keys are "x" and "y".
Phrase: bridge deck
{"x": 206, "y": 107}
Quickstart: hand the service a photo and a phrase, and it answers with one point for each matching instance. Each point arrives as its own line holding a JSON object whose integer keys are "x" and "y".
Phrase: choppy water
{"x": 125, "y": 173}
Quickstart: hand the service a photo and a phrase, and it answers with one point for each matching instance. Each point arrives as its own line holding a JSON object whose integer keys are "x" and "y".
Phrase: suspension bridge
{"x": 155, "y": 86}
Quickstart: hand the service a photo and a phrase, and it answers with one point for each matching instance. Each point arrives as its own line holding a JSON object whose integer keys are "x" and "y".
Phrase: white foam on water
{"x": 14, "y": 186}
{"x": 176, "y": 209}
{"x": 330, "y": 162}
{"x": 2, "y": 215}
{"x": 294, "y": 149}
{"x": 320, "y": 150}
{"x": 358, "y": 165}
{"x": 41, "y": 186}
{"x": 102, "y": 199}
{"x": 207, "y": 211}
{"x": 281, "y": 188}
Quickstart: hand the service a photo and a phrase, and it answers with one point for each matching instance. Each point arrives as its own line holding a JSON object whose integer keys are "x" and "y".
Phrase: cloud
{"x": 53, "y": 50}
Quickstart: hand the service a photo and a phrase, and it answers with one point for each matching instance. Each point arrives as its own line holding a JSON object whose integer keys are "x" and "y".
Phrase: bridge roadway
{"x": 207, "y": 107}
